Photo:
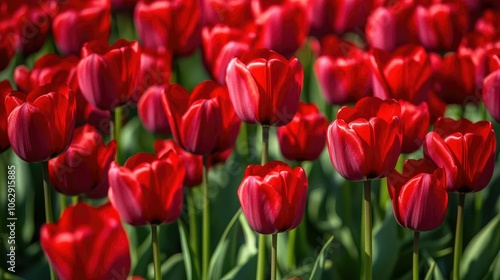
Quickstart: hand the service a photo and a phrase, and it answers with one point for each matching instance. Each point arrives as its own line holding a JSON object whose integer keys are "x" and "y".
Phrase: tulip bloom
{"x": 147, "y": 189}
{"x": 343, "y": 71}
{"x": 7, "y": 47}
{"x": 466, "y": 152}
{"x": 364, "y": 142}
{"x": 193, "y": 163}
{"x": 156, "y": 69}
{"x": 304, "y": 137}
{"x": 83, "y": 168}
{"x": 403, "y": 74}
{"x": 150, "y": 110}
{"x": 107, "y": 74}
{"x": 415, "y": 120}
{"x": 273, "y": 197}
{"x": 75, "y": 246}
{"x": 203, "y": 122}
{"x": 78, "y": 22}
{"x": 40, "y": 124}
{"x": 265, "y": 87}
{"x": 491, "y": 94}
{"x": 419, "y": 196}
{"x": 231, "y": 13}
{"x": 5, "y": 89}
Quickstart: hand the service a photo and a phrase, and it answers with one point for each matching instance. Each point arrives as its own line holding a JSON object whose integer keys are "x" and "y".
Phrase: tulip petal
{"x": 243, "y": 91}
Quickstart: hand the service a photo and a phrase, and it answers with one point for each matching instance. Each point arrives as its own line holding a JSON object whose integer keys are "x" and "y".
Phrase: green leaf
{"x": 317, "y": 270}
{"x": 481, "y": 251}
{"x": 386, "y": 245}
{"x": 186, "y": 251}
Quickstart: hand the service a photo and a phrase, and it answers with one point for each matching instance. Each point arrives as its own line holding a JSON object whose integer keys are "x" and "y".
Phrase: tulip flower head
{"x": 5, "y": 89}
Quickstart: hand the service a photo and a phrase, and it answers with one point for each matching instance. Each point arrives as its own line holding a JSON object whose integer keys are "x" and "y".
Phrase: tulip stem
{"x": 274, "y": 254}
{"x": 64, "y": 203}
{"x": 366, "y": 263}
{"x": 261, "y": 257}
{"x": 458, "y": 237}
{"x": 75, "y": 199}
{"x": 416, "y": 236}
{"x": 49, "y": 218}
{"x": 193, "y": 229}
{"x": 156, "y": 251}
{"x": 292, "y": 236}
{"x": 115, "y": 128}
{"x": 206, "y": 221}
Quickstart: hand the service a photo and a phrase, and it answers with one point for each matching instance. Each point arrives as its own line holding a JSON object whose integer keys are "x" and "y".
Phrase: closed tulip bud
{"x": 83, "y": 168}
{"x": 107, "y": 74}
{"x": 203, "y": 122}
{"x": 193, "y": 163}
{"x": 232, "y": 12}
{"x": 419, "y": 197}
{"x": 364, "y": 142}
{"x": 273, "y": 197}
{"x": 491, "y": 94}
{"x": 488, "y": 25}
{"x": 350, "y": 15}
{"x": 304, "y": 137}
{"x": 156, "y": 69}
{"x": 5, "y": 89}
{"x": 7, "y": 46}
{"x": 265, "y": 87}
{"x": 85, "y": 230}
{"x": 78, "y": 22}
{"x": 466, "y": 152}
{"x": 415, "y": 120}
{"x": 40, "y": 124}
{"x": 150, "y": 110}
{"x": 148, "y": 189}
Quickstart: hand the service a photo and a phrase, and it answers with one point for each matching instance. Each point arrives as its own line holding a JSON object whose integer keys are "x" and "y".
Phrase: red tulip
{"x": 491, "y": 94}
{"x": 492, "y": 60}
{"x": 364, "y": 142}
{"x": 78, "y": 22}
{"x": 232, "y": 12}
{"x": 87, "y": 243}
{"x": 107, "y": 74}
{"x": 7, "y": 46}
{"x": 156, "y": 69}
{"x": 123, "y": 5}
{"x": 350, "y": 15}
{"x": 171, "y": 25}
{"x": 273, "y": 197}
{"x": 343, "y": 71}
{"x": 221, "y": 44}
{"x": 147, "y": 189}
{"x": 415, "y": 120}
{"x": 403, "y": 74}
{"x": 83, "y": 168}
{"x": 441, "y": 26}
{"x": 192, "y": 162}
{"x": 466, "y": 152}
{"x": 265, "y": 87}
{"x": 304, "y": 137}
{"x": 5, "y": 89}
{"x": 40, "y": 124}
{"x": 320, "y": 17}
{"x": 203, "y": 122}
{"x": 489, "y": 25}
{"x": 150, "y": 110}
{"x": 419, "y": 196}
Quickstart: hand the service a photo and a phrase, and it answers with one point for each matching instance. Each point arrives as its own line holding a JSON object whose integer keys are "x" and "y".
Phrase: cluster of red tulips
{"x": 399, "y": 66}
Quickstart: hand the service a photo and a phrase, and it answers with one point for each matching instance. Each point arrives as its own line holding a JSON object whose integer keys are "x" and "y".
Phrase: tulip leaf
{"x": 386, "y": 245}
{"x": 481, "y": 251}
{"x": 319, "y": 264}
{"x": 428, "y": 276}
{"x": 186, "y": 251}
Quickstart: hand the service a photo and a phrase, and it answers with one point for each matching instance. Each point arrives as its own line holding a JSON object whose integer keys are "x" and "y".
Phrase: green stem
{"x": 265, "y": 144}
{"x": 117, "y": 125}
{"x": 48, "y": 205}
{"x": 206, "y": 221}
{"x": 274, "y": 251}
{"x": 292, "y": 237}
{"x": 64, "y": 203}
{"x": 156, "y": 251}
{"x": 261, "y": 257}
{"x": 416, "y": 235}
{"x": 458, "y": 237}
{"x": 367, "y": 232}
{"x": 193, "y": 228}
{"x": 75, "y": 199}
{"x": 112, "y": 125}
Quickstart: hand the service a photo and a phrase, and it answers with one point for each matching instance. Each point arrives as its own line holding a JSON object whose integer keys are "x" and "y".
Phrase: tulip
{"x": 491, "y": 94}
{"x": 273, "y": 197}
{"x": 193, "y": 163}
{"x": 488, "y": 24}
{"x": 203, "y": 122}
{"x": 107, "y": 74}
{"x": 7, "y": 47}
{"x": 40, "y": 124}
{"x": 304, "y": 137}
{"x": 492, "y": 60}
{"x": 150, "y": 110}
{"x": 265, "y": 87}
{"x": 415, "y": 120}
{"x": 403, "y": 74}
{"x": 83, "y": 168}
{"x": 174, "y": 26}
{"x": 156, "y": 69}
{"x": 343, "y": 71}
{"x": 75, "y": 246}
{"x": 123, "y": 5}
{"x": 350, "y": 15}
{"x": 5, "y": 89}
{"x": 231, "y": 13}
{"x": 320, "y": 17}
{"x": 78, "y": 22}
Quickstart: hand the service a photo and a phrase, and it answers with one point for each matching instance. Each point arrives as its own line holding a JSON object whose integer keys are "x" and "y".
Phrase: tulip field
{"x": 249, "y": 139}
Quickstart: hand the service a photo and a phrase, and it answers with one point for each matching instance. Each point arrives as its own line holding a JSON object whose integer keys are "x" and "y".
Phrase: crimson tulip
{"x": 488, "y": 25}
{"x": 87, "y": 243}
{"x": 466, "y": 152}
{"x": 491, "y": 94}
{"x": 419, "y": 197}
{"x": 364, "y": 142}
{"x": 193, "y": 163}
{"x": 148, "y": 189}
{"x": 7, "y": 47}
{"x": 350, "y": 15}
{"x": 273, "y": 197}
{"x": 403, "y": 74}
{"x": 40, "y": 124}
{"x": 150, "y": 110}
{"x": 79, "y": 21}
{"x": 265, "y": 87}
{"x": 203, "y": 122}
{"x": 231, "y": 13}
{"x": 320, "y": 17}
{"x": 5, "y": 89}
{"x": 83, "y": 168}
{"x": 415, "y": 120}
{"x": 304, "y": 137}
{"x": 123, "y": 5}
{"x": 343, "y": 71}
{"x": 156, "y": 69}
{"x": 174, "y": 26}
